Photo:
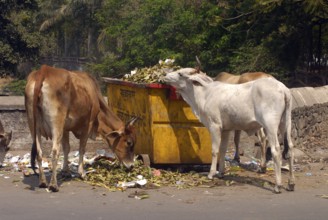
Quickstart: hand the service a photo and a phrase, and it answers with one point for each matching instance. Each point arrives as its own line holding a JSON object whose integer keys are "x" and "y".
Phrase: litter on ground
{"x": 102, "y": 169}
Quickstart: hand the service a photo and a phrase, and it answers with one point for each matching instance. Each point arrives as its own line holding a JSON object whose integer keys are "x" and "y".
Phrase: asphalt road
{"x": 21, "y": 199}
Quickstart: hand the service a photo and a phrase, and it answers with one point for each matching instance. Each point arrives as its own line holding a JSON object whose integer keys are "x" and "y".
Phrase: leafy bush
{"x": 16, "y": 87}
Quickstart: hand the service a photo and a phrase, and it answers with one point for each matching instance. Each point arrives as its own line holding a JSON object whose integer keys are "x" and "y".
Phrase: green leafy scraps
{"x": 152, "y": 74}
{"x": 108, "y": 174}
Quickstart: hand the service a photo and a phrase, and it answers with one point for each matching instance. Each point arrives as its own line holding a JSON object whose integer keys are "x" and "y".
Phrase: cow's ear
{"x": 196, "y": 83}
{"x": 199, "y": 80}
{"x": 114, "y": 134}
{"x": 8, "y": 136}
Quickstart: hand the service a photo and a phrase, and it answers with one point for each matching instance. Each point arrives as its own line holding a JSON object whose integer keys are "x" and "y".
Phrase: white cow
{"x": 239, "y": 79}
{"x": 223, "y": 107}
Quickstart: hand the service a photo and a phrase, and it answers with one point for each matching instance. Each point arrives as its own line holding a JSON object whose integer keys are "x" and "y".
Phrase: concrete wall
{"x": 310, "y": 109}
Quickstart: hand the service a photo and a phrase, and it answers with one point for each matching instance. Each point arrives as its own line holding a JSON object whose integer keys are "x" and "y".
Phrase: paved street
{"x": 22, "y": 199}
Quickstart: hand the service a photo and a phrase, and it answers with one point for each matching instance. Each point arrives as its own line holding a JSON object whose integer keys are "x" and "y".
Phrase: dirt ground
{"x": 311, "y": 167}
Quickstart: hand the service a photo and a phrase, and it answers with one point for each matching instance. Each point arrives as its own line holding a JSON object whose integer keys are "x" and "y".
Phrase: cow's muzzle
{"x": 128, "y": 165}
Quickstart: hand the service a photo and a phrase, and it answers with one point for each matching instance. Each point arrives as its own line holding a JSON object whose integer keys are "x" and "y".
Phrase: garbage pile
{"x": 152, "y": 74}
{"x": 113, "y": 176}
{"x": 102, "y": 169}
{"x": 107, "y": 172}
{"x": 19, "y": 163}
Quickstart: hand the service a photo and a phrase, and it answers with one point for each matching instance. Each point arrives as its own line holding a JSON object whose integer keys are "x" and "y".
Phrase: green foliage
{"x": 18, "y": 42}
{"x": 72, "y": 26}
{"x": 16, "y": 87}
{"x": 275, "y": 36}
{"x": 237, "y": 36}
{"x": 139, "y": 33}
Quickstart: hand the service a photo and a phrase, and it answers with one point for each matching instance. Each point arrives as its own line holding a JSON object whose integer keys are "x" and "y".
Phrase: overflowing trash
{"x": 113, "y": 176}
{"x": 152, "y": 74}
{"x": 103, "y": 169}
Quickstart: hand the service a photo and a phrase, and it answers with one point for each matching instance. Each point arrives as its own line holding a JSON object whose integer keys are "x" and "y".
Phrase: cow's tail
{"x": 39, "y": 78}
{"x": 287, "y": 123}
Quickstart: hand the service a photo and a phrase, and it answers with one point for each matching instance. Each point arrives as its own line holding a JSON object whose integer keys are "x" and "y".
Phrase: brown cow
{"x": 58, "y": 101}
{"x": 243, "y": 78}
{"x": 5, "y": 138}
{"x": 238, "y": 79}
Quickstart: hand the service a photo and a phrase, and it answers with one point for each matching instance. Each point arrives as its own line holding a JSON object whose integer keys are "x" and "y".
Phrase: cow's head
{"x": 183, "y": 78}
{"x": 5, "y": 138}
{"x": 123, "y": 142}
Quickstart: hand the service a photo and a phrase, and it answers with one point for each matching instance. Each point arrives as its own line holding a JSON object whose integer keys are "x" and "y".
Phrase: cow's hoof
{"x": 220, "y": 175}
{"x": 42, "y": 185}
{"x": 53, "y": 188}
{"x": 285, "y": 155}
{"x": 211, "y": 174}
{"x": 277, "y": 190}
{"x": 290, "y": 187}
{"x": 236, "y": 159}
{"x": 82, "y": 175}
{"x": 66, "y": 174}
{"x": 262, "y": 170}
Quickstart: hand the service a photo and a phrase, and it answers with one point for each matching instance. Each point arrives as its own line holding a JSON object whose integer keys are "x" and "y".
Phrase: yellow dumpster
{"x": 168, "y": 132}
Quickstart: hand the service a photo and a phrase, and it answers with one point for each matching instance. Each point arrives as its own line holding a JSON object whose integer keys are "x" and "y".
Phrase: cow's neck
{"x": 109, "y": 122}
{"x": 196, "y": 98}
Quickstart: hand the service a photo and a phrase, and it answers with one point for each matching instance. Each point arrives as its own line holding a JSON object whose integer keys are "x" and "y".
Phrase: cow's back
{"x": 247, "y": 77}
{"x": 267, "y": 91}
{"x": 227, "y": 78}
{"x": 240, "y": 102}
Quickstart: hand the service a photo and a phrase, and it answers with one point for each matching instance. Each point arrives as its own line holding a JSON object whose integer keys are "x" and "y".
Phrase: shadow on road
{"x": 252, "y": 181}
{"x": 33, "y": 180}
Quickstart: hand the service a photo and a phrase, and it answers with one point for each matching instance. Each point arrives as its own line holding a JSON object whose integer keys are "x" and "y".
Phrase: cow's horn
{"x": 199, "y": 65}
{"x": 132, "y": 121}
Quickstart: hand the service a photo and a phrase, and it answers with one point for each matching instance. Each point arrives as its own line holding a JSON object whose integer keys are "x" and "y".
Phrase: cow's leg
{"x": 57, "y": 140}
{"x": 288, "y": 144}
{"x": 56, "y": 146}
{"x": 291, "y": 181}
{"x": 222, "y": 152}
{"x": 66, "y": 149}
{"x": 42, "y": 177}
{"x": 83, "y": 143}
{"x": 263, "y": 142}
{"x": 276, "y": 154}
{"x": 237, "y": 141}
{"x": 216, "y": 141}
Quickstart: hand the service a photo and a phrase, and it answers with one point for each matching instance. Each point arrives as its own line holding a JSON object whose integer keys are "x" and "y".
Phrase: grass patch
{"x": 15, "y": 87}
